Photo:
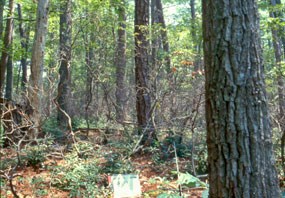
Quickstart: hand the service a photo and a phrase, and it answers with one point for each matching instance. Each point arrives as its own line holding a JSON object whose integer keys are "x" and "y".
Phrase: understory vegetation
{"x": 97, "y": 88}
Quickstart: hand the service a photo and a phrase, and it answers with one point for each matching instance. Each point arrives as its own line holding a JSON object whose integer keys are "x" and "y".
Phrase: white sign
{"x": 126, "y": 186}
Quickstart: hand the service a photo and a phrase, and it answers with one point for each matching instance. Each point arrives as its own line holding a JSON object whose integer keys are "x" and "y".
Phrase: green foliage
{"x": 165, "y": 195}
{"x": 167, "y": 146}
{"x": 2, "y": 135}
{"x": 81, "y": 175}
{"x": 190, "y": 180}
{"x": 117, "y": 164}
{"x": 205, "y": 193}
{"x": 50, "y": 126}
{"x": 78, "y": 122}
{"x": 39, "y": 186}
{"x": 36, "y": 155}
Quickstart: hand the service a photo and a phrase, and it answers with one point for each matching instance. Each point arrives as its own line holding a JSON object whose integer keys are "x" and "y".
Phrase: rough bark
{"x": 143, "y": 100}
{"x": 2, "y": 4}
{"x": 24, "y": 36}
{"x": 6, "y": 45}
{"x": 90, "y": 63}
{"x": 64, "y": 91}
{"x": 277, "y": 45}
{"x": 120, "y": 62}
{"x": 157, "y": 17}
{"x": 9, "y": 79}
{"x": 240, "y": 153}
{"x": 37, "y": 65}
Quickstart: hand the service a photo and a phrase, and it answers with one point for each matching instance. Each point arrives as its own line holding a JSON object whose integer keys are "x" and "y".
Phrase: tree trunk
{"x": 194, "y": 35}
{"x": 9, "y": 79}
{"x": 89, "y": 59}
{"x": 2, "y": 4}
{"x": 7, "y": 45}
{"x": 24, "y": 36}
{"x": 164, "y": 37}
{"x": 277, "y": 44}
{"x": 157, "y": 17}
{"x": 240, "y": 153}
{"x": 64, "y": 92}
{"x": 143, "y": 100}
{"x": 37, "y": 65}
{"x": 120, "y": 62}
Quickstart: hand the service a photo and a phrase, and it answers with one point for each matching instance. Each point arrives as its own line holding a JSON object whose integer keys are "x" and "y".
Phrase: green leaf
{"x": 190, "y": 181}
{"x": 205, "y": 193}
{"x": 165, "y": 195}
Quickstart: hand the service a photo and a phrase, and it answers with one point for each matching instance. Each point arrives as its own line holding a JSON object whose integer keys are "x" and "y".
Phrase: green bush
{"x": 80, "y": 176}
{"x": 36, "y": 154}
{"x": 117, "y": 164}
{"x": 50, "y": 126}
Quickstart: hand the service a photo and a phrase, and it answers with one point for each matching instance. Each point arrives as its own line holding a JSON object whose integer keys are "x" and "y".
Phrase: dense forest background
{"x": 97, "y": 70}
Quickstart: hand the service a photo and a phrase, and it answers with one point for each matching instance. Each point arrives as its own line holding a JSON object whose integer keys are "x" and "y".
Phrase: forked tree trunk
{"x": 240, "y": 153}
{"x": 64, "y": 92}
{"x": 37, "y": 65}
{"x": 6, "y": 45}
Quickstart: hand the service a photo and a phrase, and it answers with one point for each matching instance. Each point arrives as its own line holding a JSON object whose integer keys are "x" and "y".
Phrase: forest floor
{"x": 56, "y": 176}
{"x": 150, "y": 176}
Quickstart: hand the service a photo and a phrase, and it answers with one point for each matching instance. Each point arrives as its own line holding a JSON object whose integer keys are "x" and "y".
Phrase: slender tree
{"x": 7, "y": 45}
{"x": 9, "y": 78}
{"x": 64, "y": 91}
{"x": 89, "y": 59}
{"x": 277, "y": 45}
{"x": 24, "y": 36}
{"x": 2, "y": 4}
{"x": 240, "y": 153}
{"x": 120, "y": 62}
{"x": 143, "y": 100}
{"x": 37, "y": 65}
{"x": 194, "y": 35}
{"x": 157, "y": 18}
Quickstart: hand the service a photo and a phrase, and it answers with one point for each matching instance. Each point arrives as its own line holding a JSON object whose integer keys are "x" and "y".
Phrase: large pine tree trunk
{"x": 37, "y": 65}
{"x": 240, "y": 153}
{"x": 143, "y": 100}
{"x": 64, "y": 91}
{"x": 6, "y": 45}
{"x": 120, "y": 63}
